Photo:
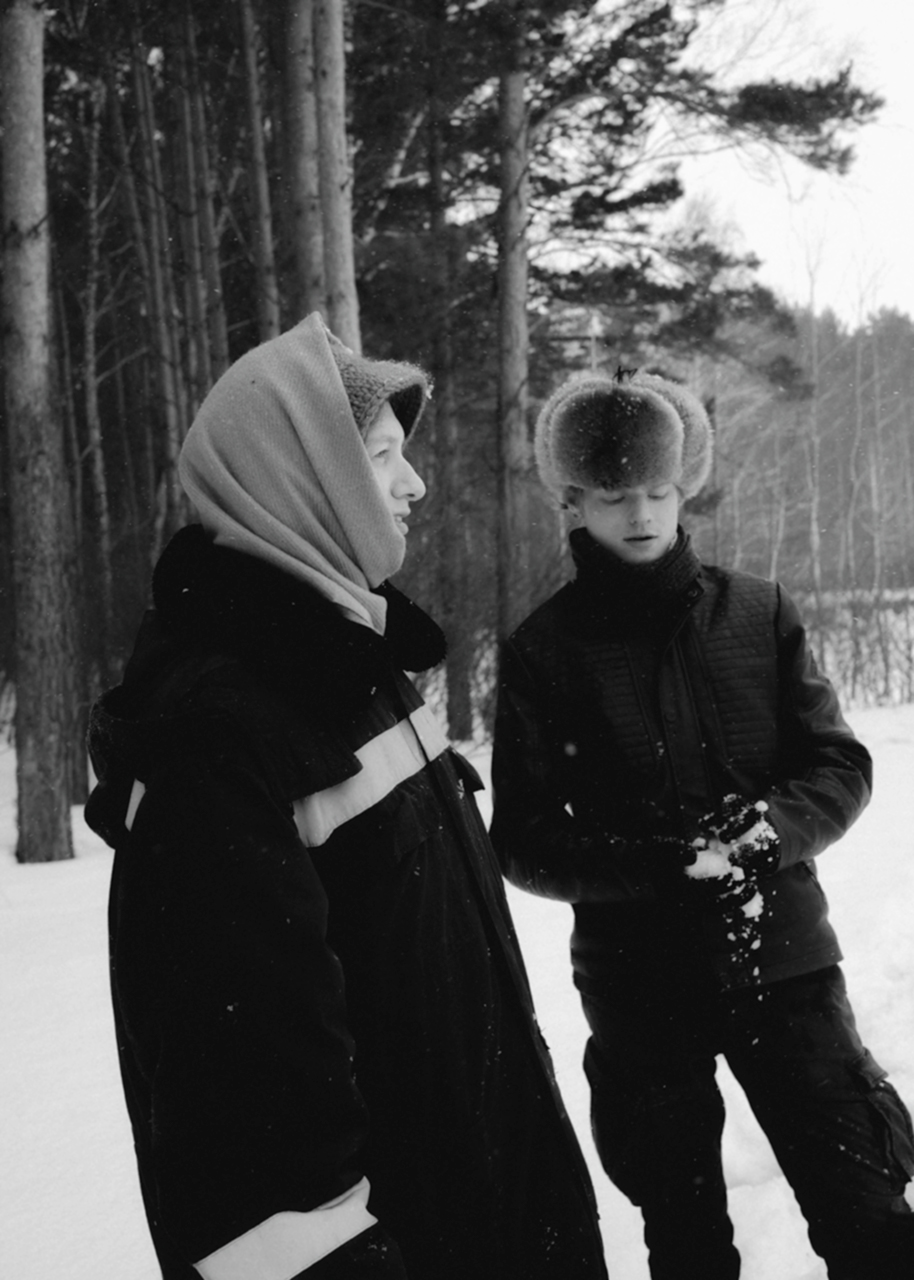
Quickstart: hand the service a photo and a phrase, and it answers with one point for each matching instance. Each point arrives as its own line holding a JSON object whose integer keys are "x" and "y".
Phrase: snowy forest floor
{"x": 70, "y": 1200}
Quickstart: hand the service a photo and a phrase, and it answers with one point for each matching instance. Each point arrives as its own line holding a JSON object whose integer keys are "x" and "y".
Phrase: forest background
{"x": 488, "y": 188}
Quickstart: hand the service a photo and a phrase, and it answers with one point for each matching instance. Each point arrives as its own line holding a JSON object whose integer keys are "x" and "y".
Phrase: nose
{"x": 409, "y": 483}
{"x": 640, "y": 510}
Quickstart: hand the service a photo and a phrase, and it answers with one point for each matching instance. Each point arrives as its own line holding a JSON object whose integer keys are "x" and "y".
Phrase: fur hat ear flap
{"x": 597, "y": 432}
{"x": 698, "y": 443}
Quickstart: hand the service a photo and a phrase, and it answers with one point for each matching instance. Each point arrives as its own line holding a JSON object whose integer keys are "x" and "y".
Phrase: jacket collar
{"x": 211, "y": 598}
{"x": 606, "y": 587}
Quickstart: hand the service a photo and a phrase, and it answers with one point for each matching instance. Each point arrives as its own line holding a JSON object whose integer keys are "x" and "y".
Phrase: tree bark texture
{"x": 514, "y": 447}
{"x": 97, "y": 471}
{"x": 335, "y": 172}
{"x": 302, "y": 161}
{"x": 199, "y": 365}
{"x": 38, "y": 493}
{"x": 261, "y": 220}
{"x": 451, "y": 538}
{"x": 217, "y": 325}
{"x": 162, "y": 301}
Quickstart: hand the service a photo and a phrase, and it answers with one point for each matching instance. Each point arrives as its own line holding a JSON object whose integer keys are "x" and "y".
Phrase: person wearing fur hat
{"x": 669, "y": 760}
{"x": 326, "y": 1037}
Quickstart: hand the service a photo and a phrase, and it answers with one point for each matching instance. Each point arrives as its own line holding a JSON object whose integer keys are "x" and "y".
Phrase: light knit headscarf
{"x": 275, "y": 466}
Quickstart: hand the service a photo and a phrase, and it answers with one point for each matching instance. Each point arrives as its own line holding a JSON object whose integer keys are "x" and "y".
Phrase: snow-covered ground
{"x": 69, "y": 1201}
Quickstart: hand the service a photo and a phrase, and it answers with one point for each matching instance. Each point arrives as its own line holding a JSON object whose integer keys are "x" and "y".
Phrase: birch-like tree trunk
{"x": 261, "y": 213}
{"x": 777, "y": 493}
{"x": 302, "y": 162}
{"x": 879, "y": 497}
{"x": 38, "y": 493}
{"x": 814, "y": 478}
{"x": 335, "y": 172}
{"x": 514, "y": 460}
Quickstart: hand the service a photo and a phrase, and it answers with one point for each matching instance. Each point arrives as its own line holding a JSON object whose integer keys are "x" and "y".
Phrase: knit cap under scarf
{"x": 276, "y": 467}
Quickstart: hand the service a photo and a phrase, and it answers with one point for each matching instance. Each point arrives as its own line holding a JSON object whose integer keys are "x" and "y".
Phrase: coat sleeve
{"x": 238, "y": 1063}
{"x": 828, "y": 773}
{"x": 541, "y": 846}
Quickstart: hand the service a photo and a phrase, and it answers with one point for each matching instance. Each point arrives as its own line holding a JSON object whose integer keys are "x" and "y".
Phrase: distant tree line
{"x": 474, "y": 187}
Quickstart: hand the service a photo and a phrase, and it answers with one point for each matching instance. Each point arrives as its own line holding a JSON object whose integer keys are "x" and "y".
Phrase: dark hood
{"x": 227, "y": 628}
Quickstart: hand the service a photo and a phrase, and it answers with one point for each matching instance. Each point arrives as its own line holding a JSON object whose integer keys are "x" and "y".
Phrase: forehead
{"x": 628, "y": 491}
{"x": 386, "y": 426}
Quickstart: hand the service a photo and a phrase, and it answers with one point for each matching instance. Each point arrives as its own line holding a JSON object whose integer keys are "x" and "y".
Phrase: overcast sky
{"x": 847, "y": 243}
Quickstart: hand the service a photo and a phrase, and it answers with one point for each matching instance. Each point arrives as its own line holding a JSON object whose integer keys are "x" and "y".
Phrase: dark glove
{"x": 668, "y": 859}
{"x": 750, "y": 839}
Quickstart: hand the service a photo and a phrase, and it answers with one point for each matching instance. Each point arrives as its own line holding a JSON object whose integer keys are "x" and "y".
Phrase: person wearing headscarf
{"x": 327, "y": 1042}
{"x": 669, "y": 760}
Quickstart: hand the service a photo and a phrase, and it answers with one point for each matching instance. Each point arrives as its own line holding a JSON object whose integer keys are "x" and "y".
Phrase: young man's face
{"x": 638, "y": 525}
{"x": 400, "y": 485}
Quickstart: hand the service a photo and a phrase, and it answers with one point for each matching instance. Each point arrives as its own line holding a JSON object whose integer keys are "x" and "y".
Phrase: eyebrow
{"x": 383, "y": 435}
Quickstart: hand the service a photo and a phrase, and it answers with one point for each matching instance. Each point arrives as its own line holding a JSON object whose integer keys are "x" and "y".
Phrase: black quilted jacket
{"x": 630, "y": 704}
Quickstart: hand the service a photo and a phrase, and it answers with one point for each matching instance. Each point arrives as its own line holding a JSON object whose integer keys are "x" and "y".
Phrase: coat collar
{"x": 606, "y": 588}
{"x": 211, "y": 598}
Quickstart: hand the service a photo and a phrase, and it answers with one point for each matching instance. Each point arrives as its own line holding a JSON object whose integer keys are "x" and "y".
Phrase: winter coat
{"x": 316, "y": 983}
{"x": 630, "y": 704}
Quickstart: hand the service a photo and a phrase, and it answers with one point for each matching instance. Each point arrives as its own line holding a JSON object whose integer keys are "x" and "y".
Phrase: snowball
{"x": 753, "y": 908}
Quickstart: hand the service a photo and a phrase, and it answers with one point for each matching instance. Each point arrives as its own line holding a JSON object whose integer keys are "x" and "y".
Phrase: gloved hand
{"x": 669, "y": 860}
{"x": 742, "y": 832}
{"x": 733, "y": 851}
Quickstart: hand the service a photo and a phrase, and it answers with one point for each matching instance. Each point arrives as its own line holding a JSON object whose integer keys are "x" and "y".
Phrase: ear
{"x": 571, "y": 498}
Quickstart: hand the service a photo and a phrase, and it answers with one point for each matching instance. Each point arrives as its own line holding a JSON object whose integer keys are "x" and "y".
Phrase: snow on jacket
{"x": 629, "y": 705}
{"x": 326, "y": 1036}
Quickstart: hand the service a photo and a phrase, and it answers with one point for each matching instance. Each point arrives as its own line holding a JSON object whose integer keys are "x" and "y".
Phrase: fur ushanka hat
{"x": 597, "y": 432}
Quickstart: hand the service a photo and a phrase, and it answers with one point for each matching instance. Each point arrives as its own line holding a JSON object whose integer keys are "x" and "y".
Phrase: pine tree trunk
{"x": 302, "y": 161}
{"x": 514, "y": 446}
{"x": 154, "y": 370}
{"x": 217, "y": 324}
{"x": 335, "y": 172}
{"x": 455, "y": 616}
{"x": 262, "y": 222}
{"x": 158, "y": 260}
{"x": 37, "y": 487}
{"x": 200, "y": 370}
{"x": 90, "y": 384}
{"x": 72, "y": 450}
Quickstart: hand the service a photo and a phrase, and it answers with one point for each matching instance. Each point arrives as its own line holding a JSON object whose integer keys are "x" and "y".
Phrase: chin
{"x": 642, "y": 554}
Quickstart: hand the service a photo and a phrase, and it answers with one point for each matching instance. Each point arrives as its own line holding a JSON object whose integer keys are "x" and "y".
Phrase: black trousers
{"x": 839, "y": 1130}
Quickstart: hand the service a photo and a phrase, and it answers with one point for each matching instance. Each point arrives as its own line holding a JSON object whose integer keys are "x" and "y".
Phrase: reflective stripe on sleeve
{"x": 136, "y": 795}
{"x": 288, "y": 1243}
{"x": 387, "y": 760}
